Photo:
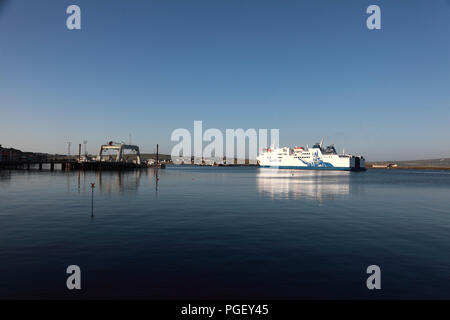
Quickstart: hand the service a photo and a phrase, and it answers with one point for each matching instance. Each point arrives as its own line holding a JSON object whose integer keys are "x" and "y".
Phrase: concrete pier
{"x": 68, "y": 165}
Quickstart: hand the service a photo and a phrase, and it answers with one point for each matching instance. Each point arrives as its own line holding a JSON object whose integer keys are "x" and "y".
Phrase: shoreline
{"x": 410, "y": 168}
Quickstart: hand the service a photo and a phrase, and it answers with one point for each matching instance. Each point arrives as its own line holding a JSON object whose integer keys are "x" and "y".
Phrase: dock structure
{"x": 38, "y": 164}
{"x": 102, "y": 161}
{"x": 384, "y": 165}
{"x": 68, "y": 165}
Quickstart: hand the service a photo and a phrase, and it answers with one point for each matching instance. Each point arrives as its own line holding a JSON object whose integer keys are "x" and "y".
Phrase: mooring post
{"x": 157, "y": 155}
{"x": 92, "y": 200}
{"x": 52, "y": 166}
{"x": 40, "y": 165}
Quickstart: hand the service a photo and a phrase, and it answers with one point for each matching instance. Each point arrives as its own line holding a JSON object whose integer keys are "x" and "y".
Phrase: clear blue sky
{"x": 310, "y": 68}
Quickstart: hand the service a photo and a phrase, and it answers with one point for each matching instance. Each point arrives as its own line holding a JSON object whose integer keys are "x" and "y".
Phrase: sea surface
{"x": 240, "y": 233}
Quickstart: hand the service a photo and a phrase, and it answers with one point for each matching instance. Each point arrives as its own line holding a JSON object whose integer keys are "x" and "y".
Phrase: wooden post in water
{"x": 92, "y": 200}
{"x": 40, "y": 165}
{"x": 52, "y": 166}
{"x": 157, "y": 155}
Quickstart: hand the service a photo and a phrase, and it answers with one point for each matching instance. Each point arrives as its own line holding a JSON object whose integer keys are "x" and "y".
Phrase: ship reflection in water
{"x": 110, "y": 182}
{"x": 113, "y": 182}
{"x": 303, "y": 184}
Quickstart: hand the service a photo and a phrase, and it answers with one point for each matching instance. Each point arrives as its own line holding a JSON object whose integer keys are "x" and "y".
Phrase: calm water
{"x": 225, "y": 233}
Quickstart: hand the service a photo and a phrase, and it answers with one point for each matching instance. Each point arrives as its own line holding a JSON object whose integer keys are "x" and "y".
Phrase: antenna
{"x": 68, "y": 147}
{"x": 321, "y": 143}
{"x": 85, "y": 143}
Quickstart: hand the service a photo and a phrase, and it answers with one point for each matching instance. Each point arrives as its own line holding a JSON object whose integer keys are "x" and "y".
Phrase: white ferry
{"x": 315, "y": 158}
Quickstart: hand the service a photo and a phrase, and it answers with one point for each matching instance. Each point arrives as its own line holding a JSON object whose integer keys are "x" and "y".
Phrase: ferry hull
{"x": 315, "y": 158}
{"x": 315, "y": 168}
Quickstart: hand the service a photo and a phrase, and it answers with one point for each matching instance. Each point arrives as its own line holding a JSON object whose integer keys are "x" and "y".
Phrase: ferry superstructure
{"x": 314, "y": 158}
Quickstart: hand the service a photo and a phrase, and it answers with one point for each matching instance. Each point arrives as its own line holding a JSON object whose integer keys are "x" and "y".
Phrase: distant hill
{"x": 12, "y": 154}
{"x": 153, "y": 156}
{"x": 146, "y": 156}
{"x": 443, "y": 162}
